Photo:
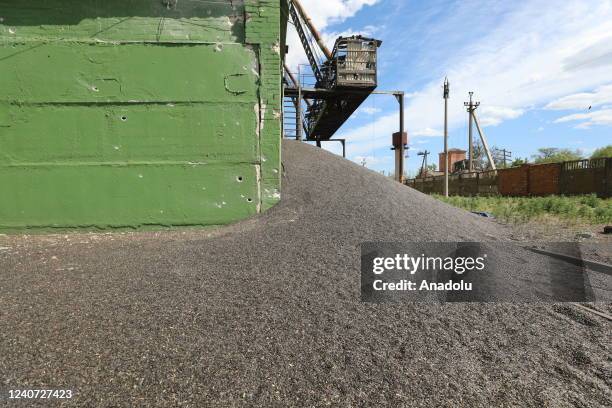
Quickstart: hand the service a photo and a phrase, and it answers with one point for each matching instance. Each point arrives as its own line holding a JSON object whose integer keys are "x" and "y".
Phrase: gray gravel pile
{"x": 267, "y": 313}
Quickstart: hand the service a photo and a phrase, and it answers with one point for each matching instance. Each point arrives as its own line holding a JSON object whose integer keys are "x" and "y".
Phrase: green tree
{"x": 555, "y": 155}
{"x": 481, "y": 161}
{"x": 602, "y": 152}
{"x": 518, "y": 162}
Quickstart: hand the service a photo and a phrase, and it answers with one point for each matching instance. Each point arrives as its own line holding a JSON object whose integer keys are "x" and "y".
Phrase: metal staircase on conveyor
{"x": 344, "y": 80}
{"x": 294, "y": 124}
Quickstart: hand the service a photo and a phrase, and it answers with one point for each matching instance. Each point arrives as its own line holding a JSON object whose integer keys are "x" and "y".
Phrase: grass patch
{"x": 573, "y": 210}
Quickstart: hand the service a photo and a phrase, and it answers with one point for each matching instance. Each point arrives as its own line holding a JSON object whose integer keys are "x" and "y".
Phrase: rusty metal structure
{"x": 352, "y": 76}
{"x": 345, "y": 77}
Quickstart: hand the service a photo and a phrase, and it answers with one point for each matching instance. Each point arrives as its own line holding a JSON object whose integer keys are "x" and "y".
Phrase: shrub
{"x": 580, "y": 209}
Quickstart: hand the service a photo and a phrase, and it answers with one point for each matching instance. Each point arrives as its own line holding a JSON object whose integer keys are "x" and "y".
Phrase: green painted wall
{"x": 130, "y": 113}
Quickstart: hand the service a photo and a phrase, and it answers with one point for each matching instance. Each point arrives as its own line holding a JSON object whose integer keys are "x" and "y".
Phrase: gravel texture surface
{"x": 267, "y": 313}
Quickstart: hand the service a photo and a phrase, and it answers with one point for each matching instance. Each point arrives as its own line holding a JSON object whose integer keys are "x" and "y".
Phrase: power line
{"x": 504, "y": 156}
{"x": 425, "y": 154}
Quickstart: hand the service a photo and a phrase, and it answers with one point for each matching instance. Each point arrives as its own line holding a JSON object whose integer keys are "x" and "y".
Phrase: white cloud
{"x": 528, "y": 59}
{"x": 366, "y": 139}
{"x": 582, "y": 100}
{"x": 370, "y": 110}
{"x": 370, "y": 160}
{"x": 330, "y": 36}
{"x": 494, "y": 115}
{"x": 428, "y": 132}
{"x": 597, "y": 54}
{"x": 326, "y": 12}
{"x": 601, "y": 117}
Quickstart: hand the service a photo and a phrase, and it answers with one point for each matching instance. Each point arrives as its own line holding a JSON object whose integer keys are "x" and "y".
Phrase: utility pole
{"x": 506, "y": 156}
{"x": 446, "y": 96}
{"x": 483, "y": 139}
{"x": 424, "y": 164}
{"x": 471, "y": 107}
{"x": 400, "y": 140}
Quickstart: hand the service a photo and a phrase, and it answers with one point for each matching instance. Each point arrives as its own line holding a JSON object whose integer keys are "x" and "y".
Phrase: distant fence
{"x": 569, "y": 178}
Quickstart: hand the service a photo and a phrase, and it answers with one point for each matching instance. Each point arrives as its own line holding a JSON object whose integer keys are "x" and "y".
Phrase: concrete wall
{"x": 130, "y": 113}
{"x": 584, "y": 176}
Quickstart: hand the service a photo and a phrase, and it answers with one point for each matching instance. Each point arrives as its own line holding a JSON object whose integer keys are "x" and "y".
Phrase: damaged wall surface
{"x": 136, "y": 113}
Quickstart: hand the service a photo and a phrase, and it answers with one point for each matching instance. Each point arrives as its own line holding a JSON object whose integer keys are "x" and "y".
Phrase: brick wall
{"x": 514, "y": 182}
{"x": 544, "y": 179}
{"x": 569, "y": 178}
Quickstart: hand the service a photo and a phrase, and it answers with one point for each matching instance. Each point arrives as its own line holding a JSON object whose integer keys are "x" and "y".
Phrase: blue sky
{"x": 535, "y": 66}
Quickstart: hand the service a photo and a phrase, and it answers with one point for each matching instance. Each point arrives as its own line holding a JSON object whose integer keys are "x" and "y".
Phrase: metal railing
{"x": 354, "y": 62}
{"x": 584, "y": 164}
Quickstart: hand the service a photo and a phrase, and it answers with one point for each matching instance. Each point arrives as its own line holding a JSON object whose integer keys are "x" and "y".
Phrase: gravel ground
{"x": 267, "y": 313}
{"x": 560, "y": 231}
